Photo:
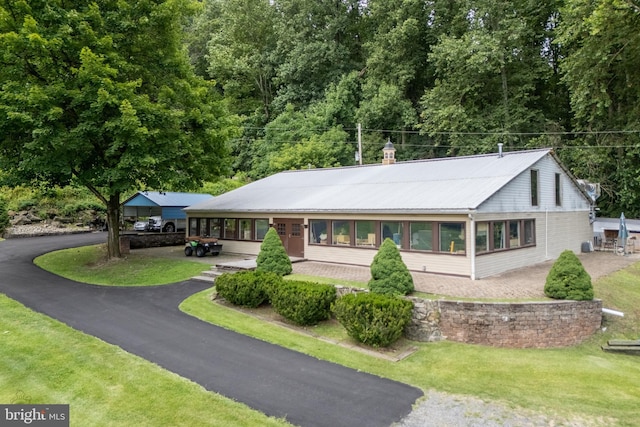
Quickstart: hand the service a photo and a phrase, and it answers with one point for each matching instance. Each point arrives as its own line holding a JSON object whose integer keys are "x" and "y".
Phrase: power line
{"x": 451, "y": 133}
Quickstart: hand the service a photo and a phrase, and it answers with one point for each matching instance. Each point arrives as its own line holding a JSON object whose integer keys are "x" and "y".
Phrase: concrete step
{"x": 211, "y": 273}
{"x": 207, "y": 279}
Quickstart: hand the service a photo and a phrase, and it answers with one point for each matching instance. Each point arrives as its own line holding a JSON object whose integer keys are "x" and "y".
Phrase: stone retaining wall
{"x": 152, "y": 240}
{"x": 521, "y": 325}
{"x": 543, "y": 324}
{"x": 516, "y": 325}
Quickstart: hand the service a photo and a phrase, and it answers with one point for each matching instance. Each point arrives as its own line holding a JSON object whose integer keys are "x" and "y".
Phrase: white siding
{"x": 516, "y": 195}
{"x": 555, "y": 232}
{"x": 240, "y": 247}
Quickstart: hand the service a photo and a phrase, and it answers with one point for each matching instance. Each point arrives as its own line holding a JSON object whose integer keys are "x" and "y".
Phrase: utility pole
{"x": 360, "y": 143}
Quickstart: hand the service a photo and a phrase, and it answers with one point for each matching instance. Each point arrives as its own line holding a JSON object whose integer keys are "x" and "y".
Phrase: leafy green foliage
{"x": 389, "y": 274}
{"x": 372, "y": 319}
{"x": 568, "y": 279}
{"x": 246, "y": 288}
{"x": 273, "y": 257}
{"x": 224, "y": 185}
{"x": 105, "y": 96}
{"x": 4, "y": 216}
{"x": 487, "y": 78}
{"x": 304, "y": 303}
{"x": 599, "y": 70}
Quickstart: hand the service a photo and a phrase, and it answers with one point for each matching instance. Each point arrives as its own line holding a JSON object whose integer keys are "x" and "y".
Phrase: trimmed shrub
{"x": 373, "y": 319}
{"x": 273, "y": 257}
{"x": 246, "y": 288}
{"x": 389, "y": 274}
{"x": 269, "y": 281}
{"x": 568, "y": 279}
{"x": 304, "y": 303}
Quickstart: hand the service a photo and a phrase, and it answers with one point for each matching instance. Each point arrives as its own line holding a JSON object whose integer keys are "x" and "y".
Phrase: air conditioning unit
{"x": 591, "y": 188}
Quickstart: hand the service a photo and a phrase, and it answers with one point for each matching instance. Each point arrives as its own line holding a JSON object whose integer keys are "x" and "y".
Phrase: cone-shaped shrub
{"x": 273, "y": 257}
{"x": 389, "y": 274}
{"x": 568, "y": 279}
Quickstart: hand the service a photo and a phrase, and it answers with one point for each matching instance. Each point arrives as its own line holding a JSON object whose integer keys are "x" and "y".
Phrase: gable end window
{"x": 558, "y": 183}
{"x": 534, "y": 187}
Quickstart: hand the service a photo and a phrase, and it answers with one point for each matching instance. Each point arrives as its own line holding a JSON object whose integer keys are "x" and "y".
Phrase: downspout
{"x": 546, "y": 233}
{"x": 472, "y": 248}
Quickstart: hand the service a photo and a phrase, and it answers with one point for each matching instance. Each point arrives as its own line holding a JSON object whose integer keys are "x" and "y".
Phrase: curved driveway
{"x": 146, "y": 321}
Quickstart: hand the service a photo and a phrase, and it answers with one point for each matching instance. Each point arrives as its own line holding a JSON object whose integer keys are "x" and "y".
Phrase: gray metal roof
{"x": 453, "y": 184}
{"x": 601, "y": 224}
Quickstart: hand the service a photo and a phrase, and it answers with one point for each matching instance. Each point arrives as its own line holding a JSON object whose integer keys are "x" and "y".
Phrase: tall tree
{"x": 239, "y": 47}
{"x": 601, "y": 66}
{"x": 102, "y": 93}
{"x": 488, "y": 77}
{"x": 318, "y": 42}
{"x": 232, "y": 42}
{"x": 397, "y": 70}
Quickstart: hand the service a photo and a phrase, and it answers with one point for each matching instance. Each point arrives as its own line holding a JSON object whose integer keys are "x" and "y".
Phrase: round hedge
{"x": 373, "y": 319}
{"x": 246, "y": 288}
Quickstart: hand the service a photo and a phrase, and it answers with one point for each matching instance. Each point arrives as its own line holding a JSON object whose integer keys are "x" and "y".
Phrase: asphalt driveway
{"x": 147, "y": 322}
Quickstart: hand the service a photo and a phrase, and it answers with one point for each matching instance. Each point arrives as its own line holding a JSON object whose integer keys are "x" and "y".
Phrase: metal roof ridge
{"x": 434, "y": 159}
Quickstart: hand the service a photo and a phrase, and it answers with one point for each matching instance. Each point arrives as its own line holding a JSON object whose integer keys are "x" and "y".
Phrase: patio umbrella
{"x": 622, "y": 232}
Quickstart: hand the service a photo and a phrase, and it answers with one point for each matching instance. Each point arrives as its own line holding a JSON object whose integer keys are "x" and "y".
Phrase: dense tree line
{"x": 439, "y": 78}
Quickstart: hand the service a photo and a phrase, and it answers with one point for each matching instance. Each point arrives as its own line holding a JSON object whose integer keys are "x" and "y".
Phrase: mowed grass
{"x": 43, "y": 361}
{"x": 580, "y": 384}
{"x": 89, "y": 264}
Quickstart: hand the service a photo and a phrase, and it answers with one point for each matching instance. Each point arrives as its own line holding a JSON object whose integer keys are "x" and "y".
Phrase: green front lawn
{"x": 571, "y": 383}
{"x": 88, "y": 264}
{"x": 580, "y": 383}
{"x": 43, "y": 361}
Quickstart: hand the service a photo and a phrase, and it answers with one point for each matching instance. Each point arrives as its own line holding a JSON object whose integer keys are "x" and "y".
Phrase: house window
{"x": 514, "y": 234}
{"x": 534, "y": 187}
{"x": 318, "y": 231}
{"x": 529, "y": 232}
{"x": 245, "y": 229}
{"x": 341, "y": 232}
{"x": 262, "y": 226}
{"x": 392, "y": 230}
{"x": 215, "y": 226}
{"x": 452, "y": 237}
{"x": 230, "y": 226}
{"x": 194, "y": 226}
{"x": 558, "y": 190}
{"x": 482, "y": 237}
{"x": 421, "y": 236}
{"x": 499, "y": 235}
{"x": 365, "y": 233}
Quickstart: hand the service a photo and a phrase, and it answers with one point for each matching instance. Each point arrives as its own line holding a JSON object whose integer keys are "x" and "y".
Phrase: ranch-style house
{"x": 472, "y": 216}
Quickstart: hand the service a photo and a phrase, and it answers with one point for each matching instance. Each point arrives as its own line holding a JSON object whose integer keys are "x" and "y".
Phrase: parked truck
{"x": 157, "y": 223}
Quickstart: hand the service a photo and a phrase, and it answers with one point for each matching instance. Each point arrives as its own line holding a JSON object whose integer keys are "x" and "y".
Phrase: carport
{"x": 167, "y": 205}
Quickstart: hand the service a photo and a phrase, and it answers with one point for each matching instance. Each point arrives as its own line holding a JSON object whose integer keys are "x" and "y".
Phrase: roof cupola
{"x": 389, "y": 153}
